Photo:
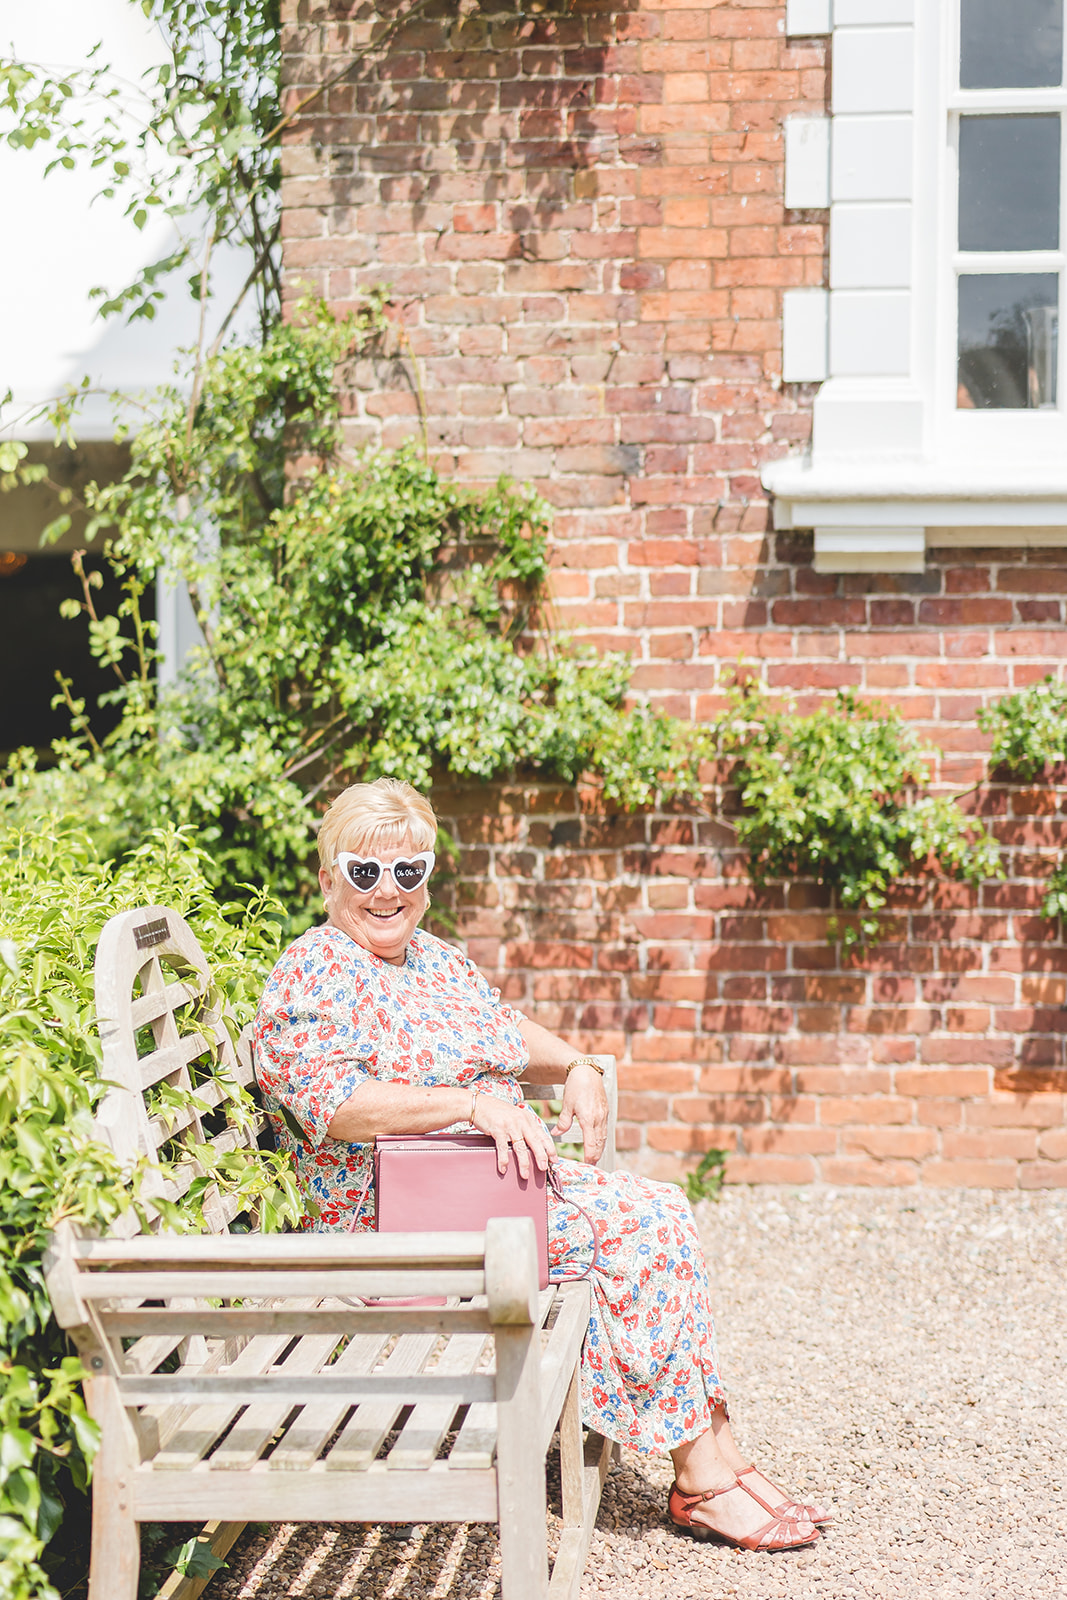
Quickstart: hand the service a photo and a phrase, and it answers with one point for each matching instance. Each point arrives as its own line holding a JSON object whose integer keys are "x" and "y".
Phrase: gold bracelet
{"x": 583, "y": 1061}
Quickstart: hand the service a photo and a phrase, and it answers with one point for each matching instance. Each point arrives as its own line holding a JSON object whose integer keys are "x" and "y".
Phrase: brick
{"x": 1016, "y": 1144}
{"x": 1053, "y": 1144}
{"x": 956, "y": 1081}
{"x": 733, "y": 1080}
{"x": 843, "y": 1081}
{"x": 769, "y": 1169}
{"x": 673, "y": 1136}
{"x": 910, "y": 1144}
{"x": 879, "y": 1109}
{"x": 869, "y": 1174}
{"x": 1021, "y": 1111}
{"x": 719, "y": 1108}
{"x": 970, "y": 1174}
{"x": 1043, "y": 1175}
{"x": 773, "y": 1140}
{"x": 1031, "y": 1080}
{"x": 940, "y": 1112}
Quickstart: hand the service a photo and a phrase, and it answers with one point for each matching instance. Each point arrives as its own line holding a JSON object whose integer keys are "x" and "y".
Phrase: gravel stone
{"x": 897, "y": 1355}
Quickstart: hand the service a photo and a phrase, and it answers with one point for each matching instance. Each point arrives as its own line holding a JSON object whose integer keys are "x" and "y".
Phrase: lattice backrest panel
{"x": 166, "y": 1046}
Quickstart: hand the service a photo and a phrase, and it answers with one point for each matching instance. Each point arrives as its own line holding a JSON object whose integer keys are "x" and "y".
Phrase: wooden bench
{"x": 235, "y": 1377}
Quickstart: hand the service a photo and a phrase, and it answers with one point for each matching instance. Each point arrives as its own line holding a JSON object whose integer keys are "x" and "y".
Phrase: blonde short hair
{"x": 376, "y": 816}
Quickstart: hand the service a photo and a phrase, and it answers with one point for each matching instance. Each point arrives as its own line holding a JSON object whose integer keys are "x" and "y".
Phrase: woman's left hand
{"x": 584, "y": 1100}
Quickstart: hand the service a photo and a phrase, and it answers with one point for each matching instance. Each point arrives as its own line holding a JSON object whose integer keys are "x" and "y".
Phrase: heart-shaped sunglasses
{"x": 364, "y": 873}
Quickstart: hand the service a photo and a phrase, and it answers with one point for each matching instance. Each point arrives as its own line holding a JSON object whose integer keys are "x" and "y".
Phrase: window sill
{"x": 881, "y": 514}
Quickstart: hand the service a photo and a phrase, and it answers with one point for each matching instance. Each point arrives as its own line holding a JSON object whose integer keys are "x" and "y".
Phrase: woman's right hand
{"x": 513, "y": 1128}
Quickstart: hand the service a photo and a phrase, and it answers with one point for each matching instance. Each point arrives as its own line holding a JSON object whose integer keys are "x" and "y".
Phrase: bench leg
{"x": 520, "y": 1468}
{"x": 584, "y": 1463}
{"x": 572, "y": 1457}
{"x": 115, "y": 1563}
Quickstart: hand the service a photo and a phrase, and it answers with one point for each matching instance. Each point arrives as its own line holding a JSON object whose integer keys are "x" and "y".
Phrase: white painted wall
{"x": 59, "y": 243}
{"x": 807, "y": 163}
{"x": 806, "y": 17}
{"x": 804, "y": 335}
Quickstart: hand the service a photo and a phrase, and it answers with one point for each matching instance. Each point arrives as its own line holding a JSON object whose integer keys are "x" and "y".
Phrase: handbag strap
{"x": 359, "y": 1203}
{"x": 560, "y": 1194}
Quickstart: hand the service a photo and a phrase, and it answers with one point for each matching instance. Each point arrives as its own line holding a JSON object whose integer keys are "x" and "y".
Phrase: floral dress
{"x": 333, "y": 1016}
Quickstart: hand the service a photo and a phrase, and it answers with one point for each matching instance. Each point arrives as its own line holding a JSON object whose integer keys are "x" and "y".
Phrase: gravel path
{"x": 897, "y": 1354}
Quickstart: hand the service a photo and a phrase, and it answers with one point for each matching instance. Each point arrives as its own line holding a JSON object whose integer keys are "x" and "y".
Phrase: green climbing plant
{"x": 369, "y": 616}
{"x": 840, "y": 796}
{"x": 1029, "y": 730}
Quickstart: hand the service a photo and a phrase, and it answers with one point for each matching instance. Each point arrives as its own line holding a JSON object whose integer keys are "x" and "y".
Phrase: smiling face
{"x": 383, "y": 920}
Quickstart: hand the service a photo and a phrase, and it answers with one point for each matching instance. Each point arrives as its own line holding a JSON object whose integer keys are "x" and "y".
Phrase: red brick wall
{"x": 940, "y": 1057}
{"x": 580, "y": 214}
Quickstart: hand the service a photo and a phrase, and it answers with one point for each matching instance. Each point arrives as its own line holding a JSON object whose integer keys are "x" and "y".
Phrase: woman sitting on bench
{"x": 369, "y": 1025}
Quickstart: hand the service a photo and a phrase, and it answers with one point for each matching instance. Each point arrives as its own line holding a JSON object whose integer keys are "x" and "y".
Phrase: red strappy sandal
{"x": 780, "y": 1533}
{"x": 791, "y": 1508}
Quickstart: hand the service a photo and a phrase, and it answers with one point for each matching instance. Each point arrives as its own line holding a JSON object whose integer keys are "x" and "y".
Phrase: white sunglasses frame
{"x": 383, "y": 867}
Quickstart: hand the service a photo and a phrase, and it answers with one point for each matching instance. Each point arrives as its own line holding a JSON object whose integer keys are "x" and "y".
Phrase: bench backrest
{"x": 164, "y": 1025}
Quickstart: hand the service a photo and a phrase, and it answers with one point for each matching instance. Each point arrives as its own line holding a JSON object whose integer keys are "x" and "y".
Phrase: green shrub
{"x": 836, "y": 796}
{"x": 1029, "y": 729}
{"x": 1029, "y": 734}
{"x": 56, "y": 893}
{"x": 371, "y": 618}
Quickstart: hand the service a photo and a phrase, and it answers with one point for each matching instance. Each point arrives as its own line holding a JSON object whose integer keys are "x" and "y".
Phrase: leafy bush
{"x": 56, "y": 893}
{"x": 1030, "y": 733}
{"x": 834, "y": 796}
{"x": 1029, "y": 728}
{"x": 371, "y": 618}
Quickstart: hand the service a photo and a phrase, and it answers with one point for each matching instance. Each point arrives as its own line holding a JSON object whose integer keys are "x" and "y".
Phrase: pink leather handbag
{"x": 450, "y": 1183}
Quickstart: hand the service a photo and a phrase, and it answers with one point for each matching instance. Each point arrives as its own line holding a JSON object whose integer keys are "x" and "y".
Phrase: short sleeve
{"x": 489, "y": 995}
{"x": 308, "y": 1048}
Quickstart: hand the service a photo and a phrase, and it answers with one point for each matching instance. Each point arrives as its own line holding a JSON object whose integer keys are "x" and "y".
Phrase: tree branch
{"x": 260, "y": 261}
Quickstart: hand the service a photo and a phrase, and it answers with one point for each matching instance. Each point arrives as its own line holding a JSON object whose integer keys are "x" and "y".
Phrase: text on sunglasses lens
{"x": 365, "y": 872}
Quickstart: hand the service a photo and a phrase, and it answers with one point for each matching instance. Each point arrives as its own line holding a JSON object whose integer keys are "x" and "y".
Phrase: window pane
{"x": 1011, "y": 44}
{"x": 1010, "y": 183}
{"x": 1008, "y": 340}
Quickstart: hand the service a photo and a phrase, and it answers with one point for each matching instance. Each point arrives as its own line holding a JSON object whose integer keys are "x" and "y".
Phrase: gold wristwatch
{"x": 583, "y": 1061}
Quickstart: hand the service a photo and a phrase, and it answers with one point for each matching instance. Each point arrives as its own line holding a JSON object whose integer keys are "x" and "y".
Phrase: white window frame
{"x": 973, "y": 433}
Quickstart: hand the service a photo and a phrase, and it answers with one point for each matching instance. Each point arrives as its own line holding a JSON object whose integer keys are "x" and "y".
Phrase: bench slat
{"x": 315, "y": 1425}
{"x": 149, "y": 1351}
{"x": 155, "y": 1005}
{"x": 161, "y": 1063}
{"x": 183, "y": 1429}
{"x": 260, "y": 1495}
{"x": 421, "y": 1436}
{"x": 256, "y": 1427}
{"x": 232, "y": 1320}
{"x": 564, "y": 1347}
{"x": 230, "y": 1388}
{"x": 233, "y": 1284}
{"x": 464, "y": 1251}
{"x": 475, "y": 1444}
{"x": 362, "y": 1437}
